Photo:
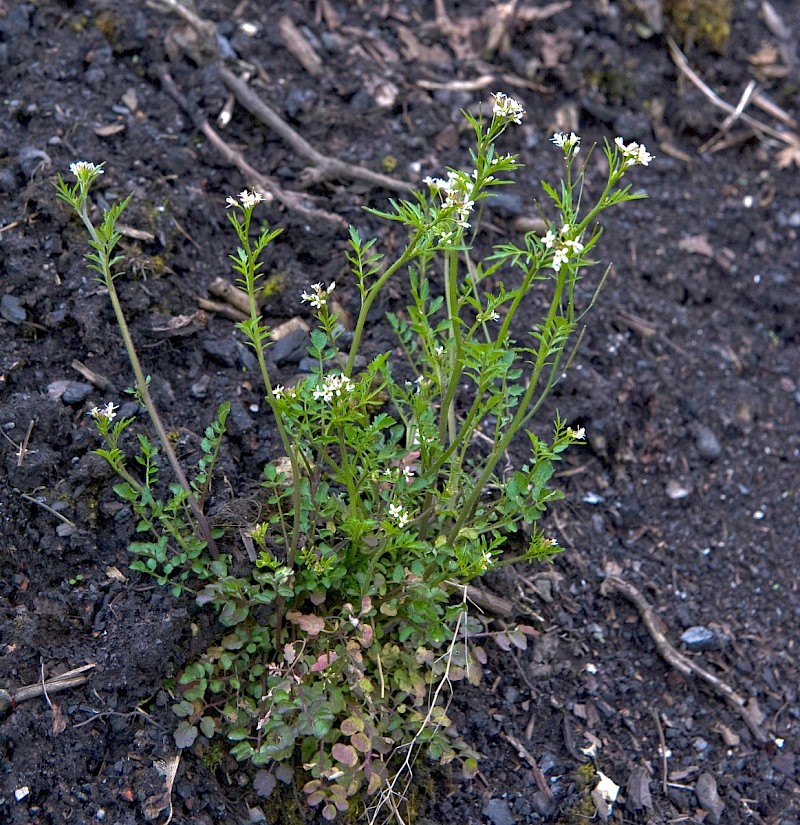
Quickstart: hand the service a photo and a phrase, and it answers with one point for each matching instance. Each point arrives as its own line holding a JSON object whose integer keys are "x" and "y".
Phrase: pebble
{"x": 76, "y": 392}
{"x": 498, "y": 812}
{"x": 222, "y": 350}
{"x": 677, "y": 490}
{"x": 31, "y": 160}
{"x": 700, "y": 638}
{"x": 707, "y": 443}
{"x": 11, "y": 309}
{"x": 289, "y": 349}
{"x": 709, "y": 798}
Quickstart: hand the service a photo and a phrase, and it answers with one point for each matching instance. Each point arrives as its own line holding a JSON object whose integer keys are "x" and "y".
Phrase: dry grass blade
{"x": 299, "y": 46}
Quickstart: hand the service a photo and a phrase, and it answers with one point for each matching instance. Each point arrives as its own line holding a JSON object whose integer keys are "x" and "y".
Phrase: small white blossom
{"x": 549, "y": 239}
{"x": 578, "y": 434}
{"x": 399, "y": 515}
{"x": 559, "y": 258}
{"x": 108, "y": 412}
{"x": 488, "y": 315}
{"x": 333, "y": 386}
{"x": 247, "y": 199}
{"x": 633, "y": 153}
{"x": 408, "y": 473}
{"x": 507, "y": 108}
{"x": 84, "y": 170}
{"x": 318, "y": 296}
{"x": 570, "y": 144}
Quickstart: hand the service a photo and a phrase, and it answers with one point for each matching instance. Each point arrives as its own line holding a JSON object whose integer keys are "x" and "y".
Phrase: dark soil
{"x": 686, "y": 383}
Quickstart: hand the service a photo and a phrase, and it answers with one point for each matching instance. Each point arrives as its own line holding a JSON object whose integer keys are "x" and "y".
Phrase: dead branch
{"x": 679, "y": 58}
{"x": 614, "y": 584}
{"x": 324, "y": 168}
{"x": 72, "y": 678}
{"x": 291, "y": 200}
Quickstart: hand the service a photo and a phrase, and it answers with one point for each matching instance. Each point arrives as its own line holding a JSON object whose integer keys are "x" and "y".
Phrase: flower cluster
{"x": 333, "y": 386}
{"x": 247, "y": 200}
{"x": 633, "y": 153}
{"x": 399, "y": 515}
{"x": 84, "y": 170}
{"x": 284, "y": 392}
{"x": 507, "y": 108}
{"x": 571, "y": 143}
{"x": 318, "y": 296}
{"x": 108, "y": 412}
{"x": 563, "y": 246}
{"x": 456, "y": 192}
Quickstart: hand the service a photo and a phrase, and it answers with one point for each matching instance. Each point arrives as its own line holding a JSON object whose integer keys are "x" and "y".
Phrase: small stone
{"x": 76, "y": 392}
{"x": 708, "y": 797}
{"x": 677, "y": 490}
{"x": 12, "y": 310}
{"x": 222, "y": 350}
{"x": 289, "y": 349}
{"x": 707, "y": 443}
{"x": 498, "y": 812}
{"x": 700, "y": 638}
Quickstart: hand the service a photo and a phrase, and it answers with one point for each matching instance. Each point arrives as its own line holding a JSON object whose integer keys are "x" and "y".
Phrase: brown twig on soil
{"x": 663, "y": 744}
{"x": 487, "y": 600}
{"x": 324, "y": 168}
{"x": 72, "y": 678}
{"x": 539, "y": 777}
{"x": 291, "y": 200}
{"x": 614, "y": 584}
{"x": 679, "y": 58}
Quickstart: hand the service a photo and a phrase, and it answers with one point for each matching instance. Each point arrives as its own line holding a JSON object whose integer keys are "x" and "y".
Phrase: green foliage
{"x": 348, "y": 622}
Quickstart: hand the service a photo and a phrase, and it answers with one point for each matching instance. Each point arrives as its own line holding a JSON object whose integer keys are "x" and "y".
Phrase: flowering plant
{"x": 347, "y": 620}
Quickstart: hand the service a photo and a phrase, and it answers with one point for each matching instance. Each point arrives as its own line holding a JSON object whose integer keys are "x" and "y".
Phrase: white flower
{"x": 570, "y": 144}
{"x": 247, "y": 199}
{"x": 399, "y": 514}
{"x": 333, "y": 386}
{"x": 108, "y": 412}
{"x": 578, "y": 434}
{"x": 507, "y": 108}
{"x": 559, "y": 258}
{"x": 633, "y": 153}
{"x": 549, "y": 239}
{"x": 408, "y": 473}
{"x": 318, "y": 296}
{"x": 84, "y": 170}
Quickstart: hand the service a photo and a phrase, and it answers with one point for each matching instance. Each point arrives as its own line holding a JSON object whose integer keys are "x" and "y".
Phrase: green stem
{"x": 104, "y": 249}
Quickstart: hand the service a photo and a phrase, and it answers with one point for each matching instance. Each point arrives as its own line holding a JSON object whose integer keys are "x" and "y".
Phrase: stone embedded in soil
{"x": 709, "y": 798}
{"x": 700, "y": 638}
{"x": 498, "y": 812}
{"x": 707, "y": 443}
{"x": 76, "y": 392}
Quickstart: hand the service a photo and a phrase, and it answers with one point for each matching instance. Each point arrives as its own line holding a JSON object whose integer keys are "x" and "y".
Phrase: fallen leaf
{"x": 311, "y": 624}
{"x": 637, "y": 791}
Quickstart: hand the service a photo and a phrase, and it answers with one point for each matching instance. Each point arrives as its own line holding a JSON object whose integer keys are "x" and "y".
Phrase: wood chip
{"x": 299, "y": 46}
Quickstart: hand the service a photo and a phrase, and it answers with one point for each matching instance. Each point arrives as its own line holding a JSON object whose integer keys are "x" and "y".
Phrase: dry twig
{"x": 614, "y": 584}
{"x": 324, "y": 168}
{"x": 679, "y": 58}
{"x": 72, "y": 678}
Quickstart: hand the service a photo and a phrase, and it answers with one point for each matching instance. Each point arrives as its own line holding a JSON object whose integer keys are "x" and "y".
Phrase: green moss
{"x": 705, "y": 23}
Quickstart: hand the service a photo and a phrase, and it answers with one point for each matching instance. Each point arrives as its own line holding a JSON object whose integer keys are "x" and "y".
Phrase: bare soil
{"x": 686, "y": 383}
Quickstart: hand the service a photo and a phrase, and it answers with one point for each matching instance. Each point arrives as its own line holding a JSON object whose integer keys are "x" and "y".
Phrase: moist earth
{"x": 686, "y": 382}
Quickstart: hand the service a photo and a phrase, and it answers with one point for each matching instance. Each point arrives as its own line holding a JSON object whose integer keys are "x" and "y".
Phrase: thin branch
{"x": 614, "y": 584}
